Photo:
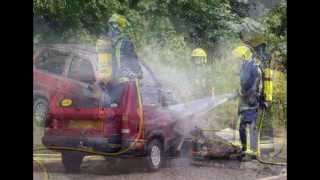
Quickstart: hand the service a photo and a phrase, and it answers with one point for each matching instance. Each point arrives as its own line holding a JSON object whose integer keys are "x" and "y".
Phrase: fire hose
{"x": 258, "y": 148}
{"x": 43, "y": 168}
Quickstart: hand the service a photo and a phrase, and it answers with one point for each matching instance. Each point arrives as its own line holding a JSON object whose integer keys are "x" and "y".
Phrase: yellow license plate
{"x": 85, "y": 124}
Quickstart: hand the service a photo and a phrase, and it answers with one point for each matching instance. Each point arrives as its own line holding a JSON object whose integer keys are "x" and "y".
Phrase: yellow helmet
{"x": 198, "y": 52}
{"x": 242, "y": 52}
{"x": 199, "y": 56}
{"x": 120, "y": 20}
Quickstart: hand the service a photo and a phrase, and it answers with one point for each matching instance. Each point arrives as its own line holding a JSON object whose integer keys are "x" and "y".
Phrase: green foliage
{"x": 60, "y": 19}
{"x": 276, "y": 23}
{"x": 201, "y": 21}
{"x": 279, "y": 98}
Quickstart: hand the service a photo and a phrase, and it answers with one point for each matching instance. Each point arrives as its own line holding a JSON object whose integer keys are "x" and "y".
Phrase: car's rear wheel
{"x": 72, "y": 161}
{"x": 155, "y": 155}
{"x": 40, "y": 109}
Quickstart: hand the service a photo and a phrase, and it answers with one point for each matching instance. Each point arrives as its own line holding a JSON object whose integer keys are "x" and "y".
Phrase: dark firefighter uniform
{"x": 250, "y": 92}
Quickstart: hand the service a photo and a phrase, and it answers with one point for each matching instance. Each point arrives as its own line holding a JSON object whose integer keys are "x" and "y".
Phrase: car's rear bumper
{"x": 95, "y": 144}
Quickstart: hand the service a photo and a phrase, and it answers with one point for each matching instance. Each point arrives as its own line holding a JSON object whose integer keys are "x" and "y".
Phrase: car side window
{"x": 81, "y": 70}
{"x": 52, "y": 62}
{"x": 149, "y": 89}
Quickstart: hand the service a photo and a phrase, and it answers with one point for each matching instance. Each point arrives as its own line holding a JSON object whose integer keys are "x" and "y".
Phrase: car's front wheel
{"x": 72, "y": 161}
{"x": 155, "y": 155}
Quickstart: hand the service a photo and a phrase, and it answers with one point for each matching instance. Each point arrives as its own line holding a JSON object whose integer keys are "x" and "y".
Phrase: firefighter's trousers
{"x": 250, "y": 122}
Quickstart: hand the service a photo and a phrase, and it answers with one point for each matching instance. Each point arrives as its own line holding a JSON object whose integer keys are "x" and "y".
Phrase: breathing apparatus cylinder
{"x": 104, "y": 50}
{"x": 267, "y": 84}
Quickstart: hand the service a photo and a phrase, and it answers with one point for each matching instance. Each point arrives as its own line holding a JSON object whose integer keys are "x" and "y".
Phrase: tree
{"x": 276, "y": 23}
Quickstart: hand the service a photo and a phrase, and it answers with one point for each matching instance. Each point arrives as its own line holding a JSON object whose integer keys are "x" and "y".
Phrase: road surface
{"x": 97, "y": 168}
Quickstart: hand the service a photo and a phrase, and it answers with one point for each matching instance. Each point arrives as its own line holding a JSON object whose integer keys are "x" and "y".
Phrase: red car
{"x": 137, "y": 123}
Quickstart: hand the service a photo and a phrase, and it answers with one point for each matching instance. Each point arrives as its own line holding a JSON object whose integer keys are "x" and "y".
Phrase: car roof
{"x": 82, "y": 50}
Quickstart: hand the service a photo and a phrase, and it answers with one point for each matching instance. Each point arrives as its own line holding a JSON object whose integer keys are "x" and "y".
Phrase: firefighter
{"x": 250, "y": 92}
{"x": 257, "y": 42}
{"x": 124, "y": 63}
{"x": 126, "y": 59}
{"x": 200, "y": 79}
{"x": 202, "y": 87}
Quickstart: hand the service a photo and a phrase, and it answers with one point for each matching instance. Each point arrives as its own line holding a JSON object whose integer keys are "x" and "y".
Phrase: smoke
{"x": 169, "y": 67}
{"x": 174, "y": 69}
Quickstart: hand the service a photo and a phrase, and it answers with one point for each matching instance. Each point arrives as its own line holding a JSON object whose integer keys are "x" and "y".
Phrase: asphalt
{"x": 96, "y": 168}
